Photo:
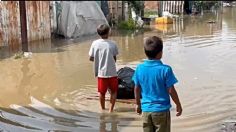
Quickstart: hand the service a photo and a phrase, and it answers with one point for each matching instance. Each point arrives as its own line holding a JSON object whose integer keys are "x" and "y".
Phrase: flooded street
{"x": 50, "y": 90}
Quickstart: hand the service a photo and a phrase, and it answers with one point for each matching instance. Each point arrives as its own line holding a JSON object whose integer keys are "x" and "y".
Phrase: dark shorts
{"x": 105, "y": 83}
{"x": 156, "y": 121}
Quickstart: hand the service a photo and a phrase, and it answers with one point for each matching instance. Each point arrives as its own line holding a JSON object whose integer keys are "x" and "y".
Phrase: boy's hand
{"x": 179, "y": 110}
{"x": 138, "y": 109}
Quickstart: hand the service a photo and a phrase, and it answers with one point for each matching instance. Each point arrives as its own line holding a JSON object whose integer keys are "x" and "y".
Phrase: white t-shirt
{"x": 103, "y": 51}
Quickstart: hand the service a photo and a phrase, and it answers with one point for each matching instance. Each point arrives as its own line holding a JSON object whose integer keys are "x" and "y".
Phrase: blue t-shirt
{"x": 154, "y": 78}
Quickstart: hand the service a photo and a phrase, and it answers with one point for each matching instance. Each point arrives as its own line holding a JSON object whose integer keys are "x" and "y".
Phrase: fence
{"x": 38, "y": 22}
{"x": 174, "y": 7}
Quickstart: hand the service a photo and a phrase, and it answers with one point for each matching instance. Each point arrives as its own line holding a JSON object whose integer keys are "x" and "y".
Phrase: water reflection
{"x": 25, "y": 82}
{"x": 108, "y": 123}
{"x": 49, "y": 92}
{"x": 130, "y": 45}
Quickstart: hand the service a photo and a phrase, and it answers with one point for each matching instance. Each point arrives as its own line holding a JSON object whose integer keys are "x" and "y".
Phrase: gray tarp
{"x": 79, "y": 18}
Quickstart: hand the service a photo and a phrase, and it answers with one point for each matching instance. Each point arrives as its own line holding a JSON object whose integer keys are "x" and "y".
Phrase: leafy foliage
{"x": 206, "y": 5}
{"x": 128, "y": 25}
{"x": 148, "y": 13}
{"x": 138, "y": 6}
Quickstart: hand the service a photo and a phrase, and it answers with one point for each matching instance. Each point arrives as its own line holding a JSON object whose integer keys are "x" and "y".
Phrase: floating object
{"x": 163, "y": 20}
{"x": 229, "y": 126}
{"x": 27, "y": 54}
{"x": 125, "y": 83}
{"x": 168, "y": 14}
{"x": 18, "y": 55}
{"x": 146, "y": 20}
{"x": 153, "y": 16}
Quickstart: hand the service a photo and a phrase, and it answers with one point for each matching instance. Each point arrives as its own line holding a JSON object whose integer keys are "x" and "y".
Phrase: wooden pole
{"x": 122, "y": 9}
{"x": 23, "y": 22}
{"x": 117, "y": 12}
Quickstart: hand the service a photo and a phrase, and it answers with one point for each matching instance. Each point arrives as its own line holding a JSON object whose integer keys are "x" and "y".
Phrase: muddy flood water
{"x": 54, "y": 90}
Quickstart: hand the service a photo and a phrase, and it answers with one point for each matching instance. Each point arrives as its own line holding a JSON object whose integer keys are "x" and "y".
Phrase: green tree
{"x": 206, "y": 5}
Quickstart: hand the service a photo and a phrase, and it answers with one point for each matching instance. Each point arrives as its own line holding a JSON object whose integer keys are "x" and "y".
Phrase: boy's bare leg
{"x": 102, "y": 100}
{"x": 112, "y": 101}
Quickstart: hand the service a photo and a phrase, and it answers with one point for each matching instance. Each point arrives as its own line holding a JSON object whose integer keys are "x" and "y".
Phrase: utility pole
{"x": 142, "y": 9}
{"x": 160, "y": 8}
{"x": 23, "y": 22}
{"x": 122, "y": 9}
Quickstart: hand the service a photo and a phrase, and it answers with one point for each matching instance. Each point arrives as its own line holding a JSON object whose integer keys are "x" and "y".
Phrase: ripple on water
{"x": 207, "y": 102}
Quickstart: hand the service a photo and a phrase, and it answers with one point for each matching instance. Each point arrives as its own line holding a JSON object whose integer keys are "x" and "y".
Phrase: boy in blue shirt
{"x": 154, "y": 81}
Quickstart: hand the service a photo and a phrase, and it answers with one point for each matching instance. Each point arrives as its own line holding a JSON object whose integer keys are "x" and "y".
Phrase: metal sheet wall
{"x": 115, "y": 8}
{"x": 38, "y": 22}
{"x": 9, "y": 23}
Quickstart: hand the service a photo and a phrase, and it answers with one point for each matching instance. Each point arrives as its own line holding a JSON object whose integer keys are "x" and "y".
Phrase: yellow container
{"x": 163, "y": 20}
{"x": 163, "y": 27}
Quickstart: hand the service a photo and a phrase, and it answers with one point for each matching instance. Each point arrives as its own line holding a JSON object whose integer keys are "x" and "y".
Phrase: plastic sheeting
{"x": 79, "y": 18}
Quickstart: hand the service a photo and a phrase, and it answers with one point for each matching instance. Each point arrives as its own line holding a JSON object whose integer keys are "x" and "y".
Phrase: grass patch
{"x": 18, "y": 55}
{"x": 148, "y": 13}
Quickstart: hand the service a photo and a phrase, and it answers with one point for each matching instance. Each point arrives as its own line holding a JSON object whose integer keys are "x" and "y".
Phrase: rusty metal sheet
{"x": 38, "y": 20}
{"x": 9, "y": 24}
{"x": 38, "y": 23}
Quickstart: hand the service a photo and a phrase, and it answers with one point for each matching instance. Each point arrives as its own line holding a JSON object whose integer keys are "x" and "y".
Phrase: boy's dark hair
{"x": 152, "y": 46}
{"x": 103, "y": 29}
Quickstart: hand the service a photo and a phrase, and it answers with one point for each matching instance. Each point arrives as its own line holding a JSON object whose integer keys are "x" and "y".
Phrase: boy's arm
{"x": 175, "y": 98}
{"x": 91, "y": 52}
{"x": 116, "y": 52}
{"x": 137, "y": 99}
{"x": 114, "y": 58}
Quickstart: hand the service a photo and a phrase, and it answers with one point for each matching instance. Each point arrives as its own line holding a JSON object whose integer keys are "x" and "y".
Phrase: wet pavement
{"x": 49, "y": 91}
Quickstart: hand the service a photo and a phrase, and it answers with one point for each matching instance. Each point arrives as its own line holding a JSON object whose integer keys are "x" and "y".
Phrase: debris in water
{"x": 27, "y": 54}
{"x": 57, "y": 101}
{"x": 23, "y": 54}
{"x": 18, "y": 55}
{"x": 229, "y": 126}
